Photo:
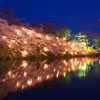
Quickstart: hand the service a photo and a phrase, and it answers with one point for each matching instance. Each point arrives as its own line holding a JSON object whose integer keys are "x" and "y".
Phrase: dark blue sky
{"x": 78, "y": 15}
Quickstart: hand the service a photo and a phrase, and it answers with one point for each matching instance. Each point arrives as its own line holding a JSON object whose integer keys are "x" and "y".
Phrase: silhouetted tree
{"x": 90, "y": 36}
{"x": 63, "y": 32}
{"x": 98, "y": 21}
{"x": 45, "y": 27}
{"x": 16, "y": 21}
{"x": 97, "y": 42}
{"x": 8, "y": 14}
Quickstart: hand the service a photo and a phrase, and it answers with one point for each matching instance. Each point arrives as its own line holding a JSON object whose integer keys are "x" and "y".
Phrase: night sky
{"x": 78, "y": 15}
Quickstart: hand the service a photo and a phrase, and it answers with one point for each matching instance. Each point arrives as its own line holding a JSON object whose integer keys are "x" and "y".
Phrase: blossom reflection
{"x": 27, "y": 75}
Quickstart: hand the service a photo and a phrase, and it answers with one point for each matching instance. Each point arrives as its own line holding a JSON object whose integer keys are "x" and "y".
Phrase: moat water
{"x": 71, "y": 79}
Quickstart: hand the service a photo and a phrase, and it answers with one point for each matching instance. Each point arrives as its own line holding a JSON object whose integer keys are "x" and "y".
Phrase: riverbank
{"x": 18, "y": 42}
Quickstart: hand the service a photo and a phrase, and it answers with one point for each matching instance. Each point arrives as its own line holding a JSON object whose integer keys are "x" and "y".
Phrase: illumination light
{"x": 9, "y": 45}
{"x": 24, "y": 53}
{"x": 64, "y": 74}
{"x": 13, "y": 41}
{"x": 18, "y": 32}
{"x": 39, "y": 78}
{"x": 47, "y": 37}
{"x": 29, "y": 82}
{"x": 54, "y": 44}
{"x": 25, "y": 42}
{"x": 48, "y": 76}
{"x": 24, "y": 63}
{"x": 25, "y": 74}
{"x": 29, "y": 32}
{"x": 64, "y": 52}
{"x": 57, "y": 74}
{"x": 45, "y": 49}
{"x": 18, "y": 84}
{"x": 64, "y": 39}
{"x": 4, "y": 37}
{"x": 23, "y": 87}
{"x": 54, "y": 69}
{"x": 57, "y": 38}
{"x": 9, "y": 73}
{"x": 46, "y": 66}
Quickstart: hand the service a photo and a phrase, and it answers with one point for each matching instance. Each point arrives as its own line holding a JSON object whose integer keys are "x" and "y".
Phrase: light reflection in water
{"x": 27, "y": 75}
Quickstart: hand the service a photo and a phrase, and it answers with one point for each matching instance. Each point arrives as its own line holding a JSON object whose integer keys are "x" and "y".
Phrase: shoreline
{"x": 50, "y": 57}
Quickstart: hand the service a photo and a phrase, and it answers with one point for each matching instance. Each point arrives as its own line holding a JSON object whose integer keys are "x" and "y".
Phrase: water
{"x": 77, "y": 78}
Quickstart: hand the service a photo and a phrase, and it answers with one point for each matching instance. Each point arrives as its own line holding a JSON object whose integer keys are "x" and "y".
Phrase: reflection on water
{"x": 25, "y": 74}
